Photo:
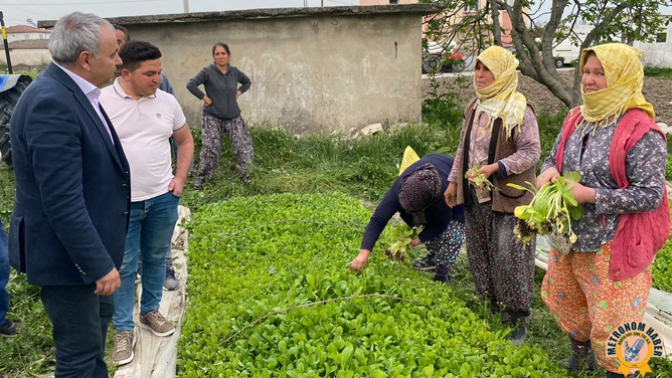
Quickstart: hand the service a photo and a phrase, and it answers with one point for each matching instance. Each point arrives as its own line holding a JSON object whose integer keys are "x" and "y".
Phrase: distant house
{"x": 27, "y": 54}
{"x": 658, "y": 53}
{"x": 24, "y": 32}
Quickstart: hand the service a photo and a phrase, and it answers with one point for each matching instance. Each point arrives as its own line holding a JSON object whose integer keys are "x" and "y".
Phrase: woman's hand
{"x": 450, "y": 195}
{"x": 238, "y": 94}
{"x": 487, "y": 171}
{"x": 582, "y": 194}
{"x": 207, "y": 101}
{"x": 548, "y": 175}
{"x": 360, "y": 261}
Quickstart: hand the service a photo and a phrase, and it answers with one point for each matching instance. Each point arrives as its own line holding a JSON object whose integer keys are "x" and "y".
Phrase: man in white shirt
{"x": 145, "y": 119}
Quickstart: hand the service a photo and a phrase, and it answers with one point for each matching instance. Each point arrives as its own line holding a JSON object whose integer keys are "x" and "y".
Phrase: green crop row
{"x": 271, "y": 296}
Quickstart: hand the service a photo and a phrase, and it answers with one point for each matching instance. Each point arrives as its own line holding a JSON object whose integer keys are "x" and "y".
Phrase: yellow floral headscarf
{"x": 624, "y": 72}
{"x": 501, "y": 100}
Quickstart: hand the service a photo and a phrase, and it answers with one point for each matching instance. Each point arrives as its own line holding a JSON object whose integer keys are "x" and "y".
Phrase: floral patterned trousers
{"x": 446, "y": 246}
{"x": 587, "y": 303}
{"x": 241, "y": 145}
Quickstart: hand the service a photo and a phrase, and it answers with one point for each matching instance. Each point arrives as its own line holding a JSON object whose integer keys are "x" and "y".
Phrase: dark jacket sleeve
{"x": 165, "y": 85}
{"x": 194, "y": 82}
{"x": 54, "y": 143}
{"x": 245, "y": 82}
{"x": 384, "y": 212}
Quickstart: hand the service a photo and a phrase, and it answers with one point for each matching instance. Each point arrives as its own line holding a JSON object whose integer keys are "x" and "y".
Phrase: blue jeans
{"x": 149, "y": 232}
{"x": 4, "y": 275}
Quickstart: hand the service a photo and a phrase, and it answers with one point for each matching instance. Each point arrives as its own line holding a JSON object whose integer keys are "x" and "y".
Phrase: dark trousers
{"x": 80, "y": 320}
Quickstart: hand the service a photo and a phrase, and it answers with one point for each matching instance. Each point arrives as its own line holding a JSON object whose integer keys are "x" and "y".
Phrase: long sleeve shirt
{"x": 438, "y": 215}
{"x": 587, "y": 152}
{"x": 221, "y": 88}
{"x": 527, "y": 143}
{"x": 165, "y": 85}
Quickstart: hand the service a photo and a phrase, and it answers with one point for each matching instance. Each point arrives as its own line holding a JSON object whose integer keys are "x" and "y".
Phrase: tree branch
{"x": 497, "y": 28}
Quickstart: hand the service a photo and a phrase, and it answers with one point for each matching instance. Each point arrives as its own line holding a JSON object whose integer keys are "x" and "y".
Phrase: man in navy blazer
{"x": 68, "y": 227}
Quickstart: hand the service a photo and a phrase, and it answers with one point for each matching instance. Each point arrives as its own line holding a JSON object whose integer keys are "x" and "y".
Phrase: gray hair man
{"x": 70, "y": 217}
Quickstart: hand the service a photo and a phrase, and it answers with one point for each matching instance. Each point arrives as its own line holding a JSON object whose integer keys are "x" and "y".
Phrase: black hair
{"x": 134, "y": 53}
{"x": 223, "y": 45}
{"x": 123, "y": 30}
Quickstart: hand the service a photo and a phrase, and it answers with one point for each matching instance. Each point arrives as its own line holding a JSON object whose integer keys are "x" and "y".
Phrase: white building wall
{"x": 657, "y": 54}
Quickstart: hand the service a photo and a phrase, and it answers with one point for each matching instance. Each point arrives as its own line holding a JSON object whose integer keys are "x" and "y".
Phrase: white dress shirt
{"x": 91, "y": 92}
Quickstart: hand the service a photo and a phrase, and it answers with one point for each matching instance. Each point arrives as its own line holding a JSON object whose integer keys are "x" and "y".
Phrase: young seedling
{"x": 403, "y": 235}
{"x": 551, "y": 211}
{"x": 480, "y": 181}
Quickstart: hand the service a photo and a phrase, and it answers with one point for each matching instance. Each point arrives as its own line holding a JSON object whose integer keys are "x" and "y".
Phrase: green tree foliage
{"x": 612, "y": 20}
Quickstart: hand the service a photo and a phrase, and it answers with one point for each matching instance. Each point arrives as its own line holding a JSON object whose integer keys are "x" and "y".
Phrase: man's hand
{"x": 360, "y": 261}
{"x": 450, "y": 195}
{"x": 238, "y": 94}
{"x": 108, "y": 284}
{"x": 176, "y": 186}
{"x": 207, "y": 101}
{"x": 551, "y": 174}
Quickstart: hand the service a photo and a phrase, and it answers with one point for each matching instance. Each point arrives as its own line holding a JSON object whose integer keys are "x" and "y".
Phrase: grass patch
{"x": 658, "y": 72}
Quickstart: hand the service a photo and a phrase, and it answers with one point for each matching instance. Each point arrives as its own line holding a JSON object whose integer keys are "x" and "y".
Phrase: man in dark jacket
{"x": 68, "y": 227}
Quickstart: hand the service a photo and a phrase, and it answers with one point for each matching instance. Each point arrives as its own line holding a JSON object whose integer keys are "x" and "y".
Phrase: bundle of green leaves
{"x": 271, "y": 296}
{"x": 480, "y": 181}
{"x": 403, "y": 235}
{"x": 551, "y": 211}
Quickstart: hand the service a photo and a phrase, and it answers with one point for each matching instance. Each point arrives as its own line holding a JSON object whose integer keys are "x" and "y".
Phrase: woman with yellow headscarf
{"x": 500, "y": 139}
{"x": 614, "y": 143}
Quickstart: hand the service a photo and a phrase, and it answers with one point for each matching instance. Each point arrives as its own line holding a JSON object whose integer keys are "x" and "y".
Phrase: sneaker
{"x": 425, "y": 264}
{"x": 171, "y": 282}
{"x": 156, "y": 323}
{"x": 198, "y": 183}
{"x": 10, "y": 328}
{"x": 124, "y": 348}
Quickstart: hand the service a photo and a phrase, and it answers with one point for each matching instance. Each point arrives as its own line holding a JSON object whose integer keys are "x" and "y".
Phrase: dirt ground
{"x": 656, "y": 90}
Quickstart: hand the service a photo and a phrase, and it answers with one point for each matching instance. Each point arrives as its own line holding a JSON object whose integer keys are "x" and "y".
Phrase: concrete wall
{"x": 331, "y": 68}
{"x": 29, "y": 57}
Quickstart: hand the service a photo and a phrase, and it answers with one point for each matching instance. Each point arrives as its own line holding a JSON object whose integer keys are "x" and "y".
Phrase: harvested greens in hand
{"x": 480, "y": 181}
{"x": 403, "y": 236}
{"x": 550, "y": 213}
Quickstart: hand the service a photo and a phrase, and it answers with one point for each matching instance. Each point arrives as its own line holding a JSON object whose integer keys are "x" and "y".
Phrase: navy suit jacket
{"x": 73, "y": 190}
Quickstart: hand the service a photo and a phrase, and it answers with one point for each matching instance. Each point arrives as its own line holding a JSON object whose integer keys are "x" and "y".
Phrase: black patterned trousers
{"x": 241, "y": 146}
{"x": 502, "y": 267}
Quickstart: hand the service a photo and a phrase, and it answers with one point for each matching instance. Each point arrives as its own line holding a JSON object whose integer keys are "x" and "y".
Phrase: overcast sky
{"x": 17, "y": 11}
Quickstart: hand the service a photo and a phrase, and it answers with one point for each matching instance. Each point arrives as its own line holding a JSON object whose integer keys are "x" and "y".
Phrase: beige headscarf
{"x": 501, "y": 100}
{"x": 625, "y": 78}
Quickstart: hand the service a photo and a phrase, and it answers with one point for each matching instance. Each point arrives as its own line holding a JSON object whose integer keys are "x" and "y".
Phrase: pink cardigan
{"x": 639, "y": 236}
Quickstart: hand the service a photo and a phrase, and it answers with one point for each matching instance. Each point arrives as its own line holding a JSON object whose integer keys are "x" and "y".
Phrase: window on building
{"x": 26, "y": 36}
{"x": 661, "y": 38}
{"x": 471, "y": 8}
{"x": 42, "y": 36}
{"x": 394, "y": 2}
